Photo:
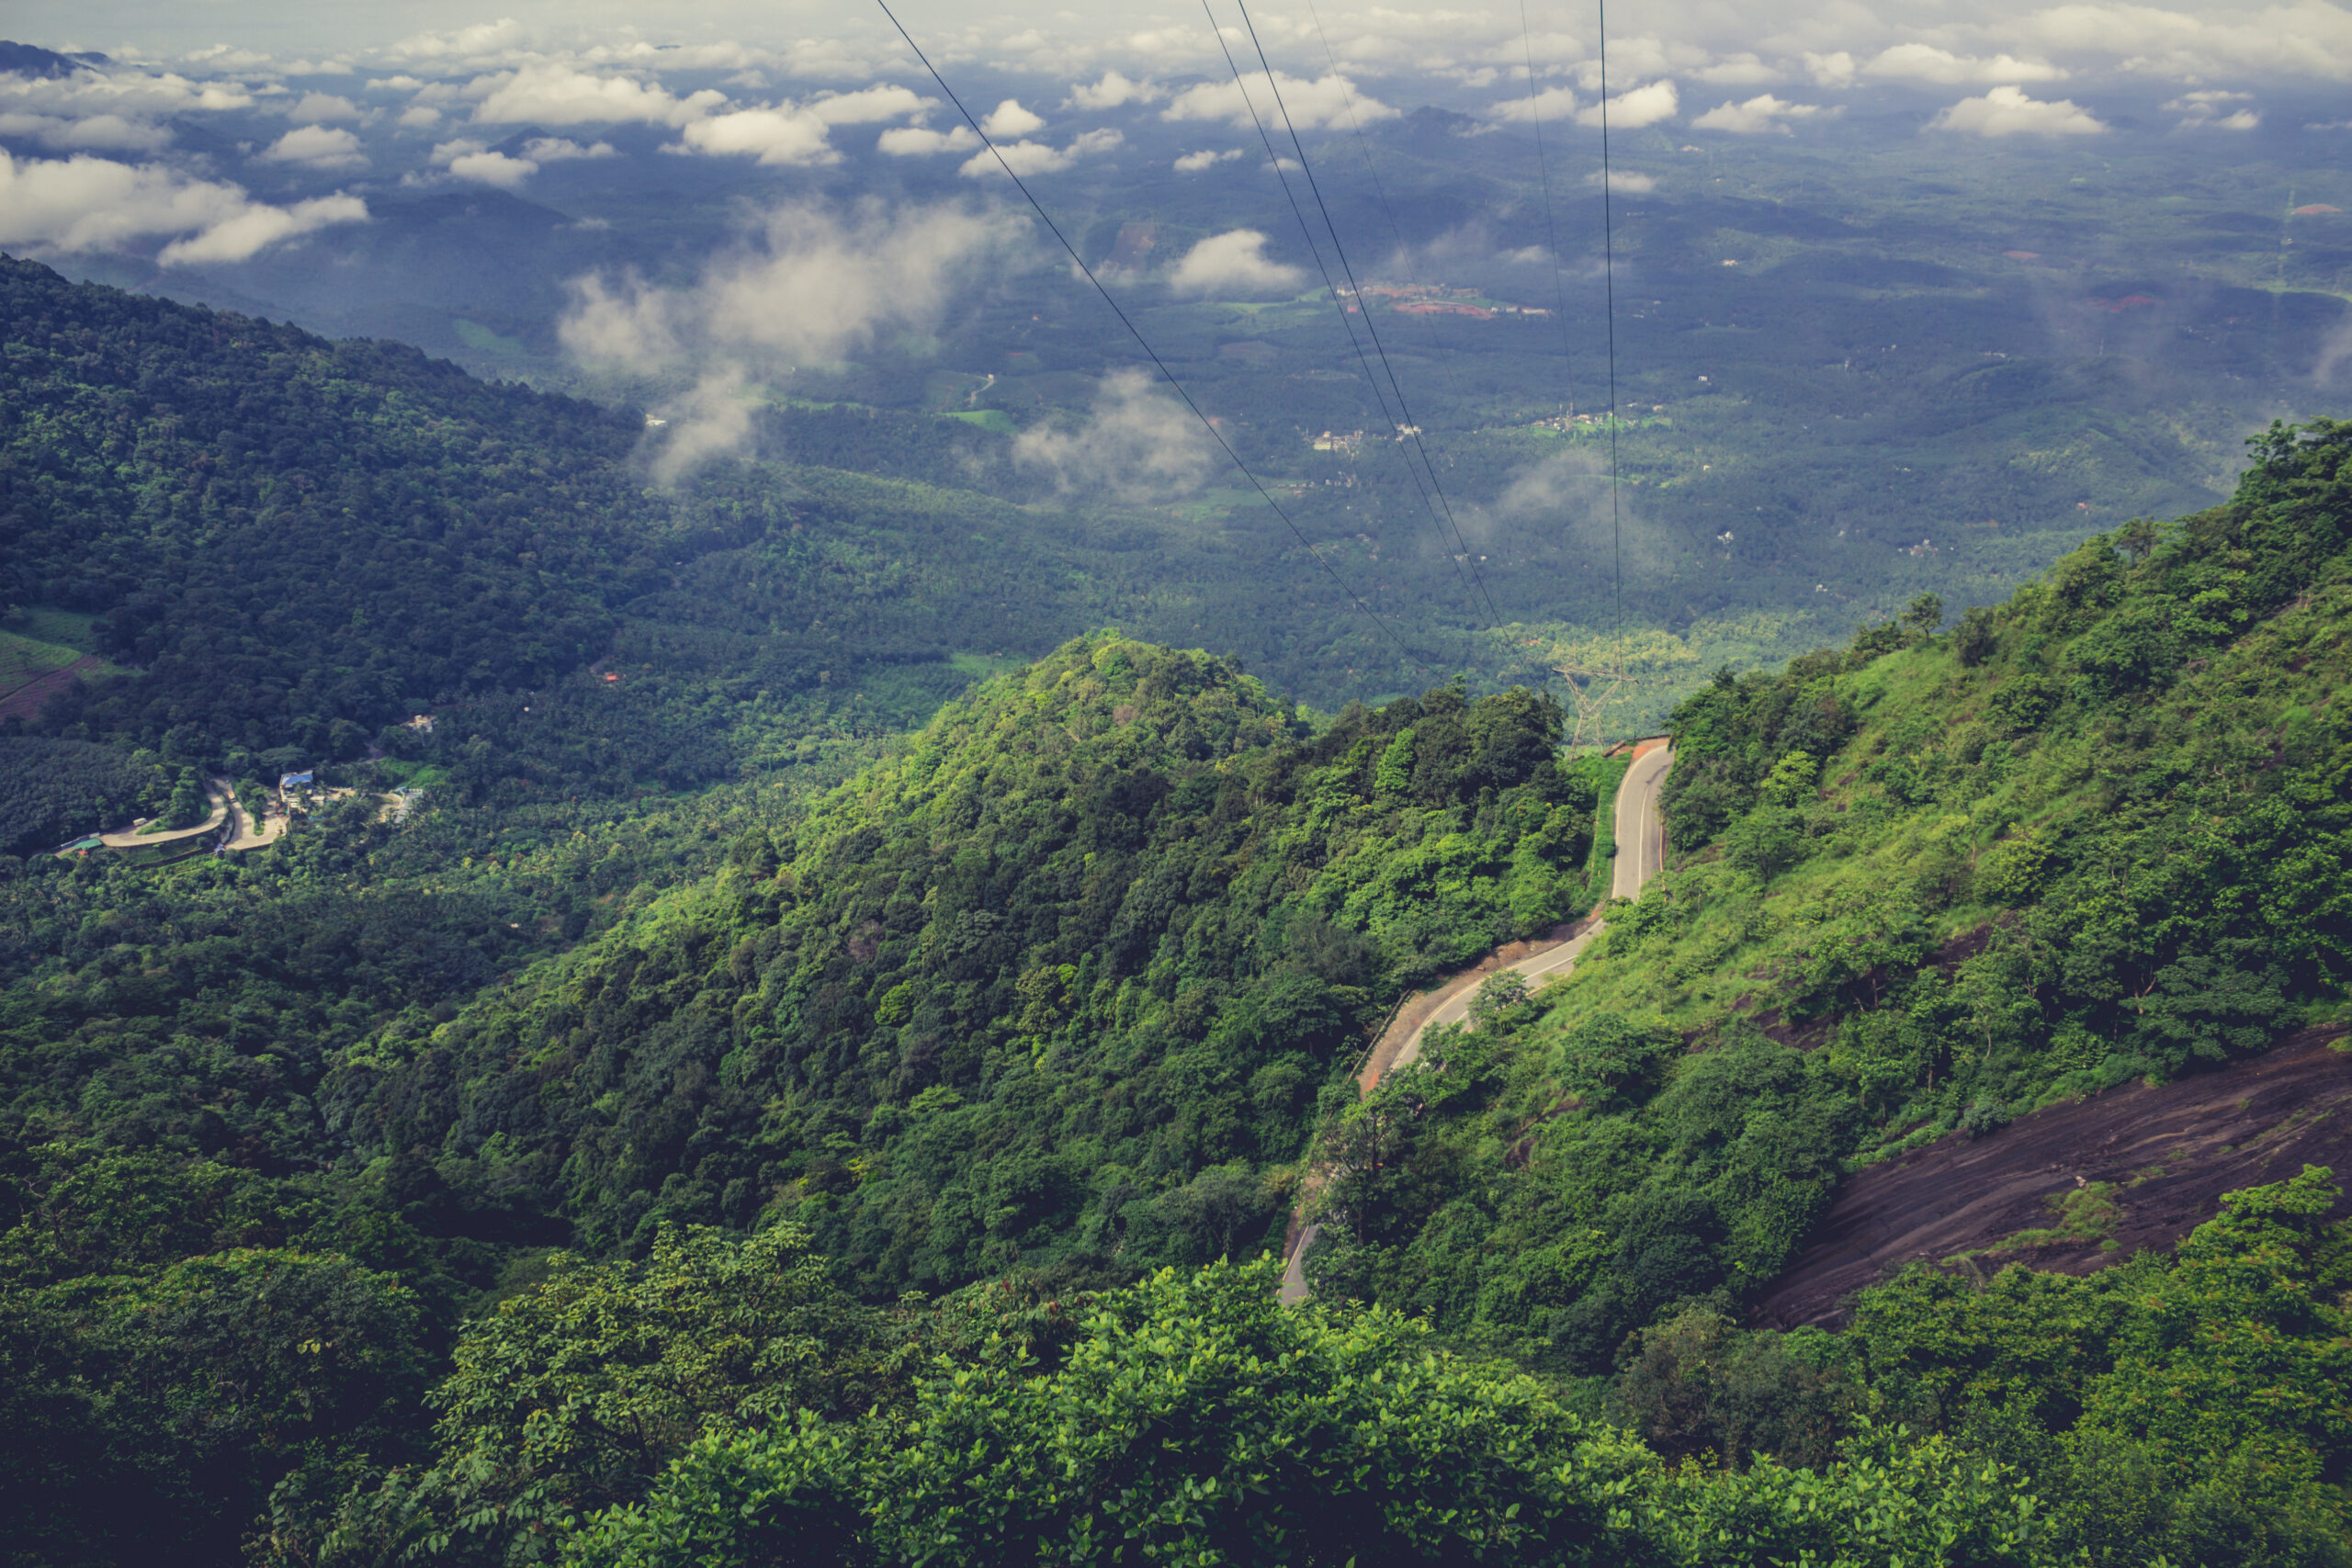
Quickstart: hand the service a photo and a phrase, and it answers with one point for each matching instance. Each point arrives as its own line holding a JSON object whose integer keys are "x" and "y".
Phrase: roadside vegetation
{"x": 1920, "y": 887}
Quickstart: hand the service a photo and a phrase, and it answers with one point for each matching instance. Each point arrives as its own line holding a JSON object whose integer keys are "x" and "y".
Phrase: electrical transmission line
{"x": 1339, "y": 303}
{"x": 1206, "y": 423}
{"x": 1410, "y": 426}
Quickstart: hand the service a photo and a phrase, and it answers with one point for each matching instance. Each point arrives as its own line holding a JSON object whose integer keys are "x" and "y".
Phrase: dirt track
{"x": 27, "y": 700}
{"x": 2171, "y": 1152}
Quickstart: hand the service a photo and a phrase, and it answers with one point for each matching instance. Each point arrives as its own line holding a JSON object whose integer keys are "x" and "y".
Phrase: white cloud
{"x": 2300, "y": 38}
{"x": 1114, "y": 91}
{"x": 2203, "y": 111}
{"x": 492, "y": 169}
{"x": 469, "y": 160}
{"x": 97, "y": 133}
{"x": 2007, "y": 111}
{"x": 1630, "y": 182}
{"x": 801, "y": 134}
{"x": 1760, "y": 114}
{"x": 810, "y": 286}
{"x": 773, "y": 136}
{"x": 317, "y": 147}
{"x": 84, "y": 204}
{"x": 714, "y": 419}
{"x": 260, "y": 226}
{"x": 1193, "y": 163}
{"x": 1925, "y": 62}
{"x": 1320, "y": 105}
{"x": 916, "y": 141}
{"x": 1835, "y": 69}
{"x": 560, "y": 150}
{"x": 1743, "y": 70}
{"x": 318, "y": 109}
{"x": 1643, "y": 106}
{"x": 118, "y": 104}
{"x": 1551, "y": 104}
{"x": 420, "y": 116}
{"x": 1009, "y": 121}
{"x": 1233, "y": 265}
{"x": 1138, "y": 444}
{"x": 868, "y": 105}
{"x": 483, "y": 39}
{"x": 1026, "y": 158}
{"x": 560, "y": 95}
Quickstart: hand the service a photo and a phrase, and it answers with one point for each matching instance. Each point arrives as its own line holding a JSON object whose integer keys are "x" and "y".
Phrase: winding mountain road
{"x": 1641, "y": 852}
{"x": 221, "y": 795}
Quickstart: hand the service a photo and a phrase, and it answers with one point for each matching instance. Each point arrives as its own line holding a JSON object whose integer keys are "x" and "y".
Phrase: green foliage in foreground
{"x": 736, "y": 1408}
{"x": 148, "y": 1416}
{"x": 2190, "y": 1407}
{"x": 2199, "y": 1403}
{"x": 1061, "y": 987}
{"x": 1920, "y": 887}
{"x": 1195, "y": 1420}
{"x": 2181, "y": 1410}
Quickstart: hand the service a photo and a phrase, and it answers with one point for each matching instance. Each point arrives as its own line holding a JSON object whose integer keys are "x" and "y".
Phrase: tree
{"x": 1197, "y": 1420}
{"x": 147, "y": 1417}
{"x": 1974, "y": 640}
{"x": 575, "y": 1395}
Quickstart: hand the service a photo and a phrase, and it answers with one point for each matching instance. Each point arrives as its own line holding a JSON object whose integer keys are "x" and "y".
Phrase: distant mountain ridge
{"x": 31, "y": 59}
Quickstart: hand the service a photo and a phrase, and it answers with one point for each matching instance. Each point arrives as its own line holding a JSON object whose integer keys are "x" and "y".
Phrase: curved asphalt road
{"x": 1641, "y": 852}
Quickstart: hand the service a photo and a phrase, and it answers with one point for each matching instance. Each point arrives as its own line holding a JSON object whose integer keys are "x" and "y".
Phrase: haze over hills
{"x": 1874, "y": 342}
{"x": 693, "y": 870}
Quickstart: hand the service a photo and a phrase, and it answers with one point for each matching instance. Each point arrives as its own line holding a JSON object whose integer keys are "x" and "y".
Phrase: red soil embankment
{"x": 26, "y": 701}
{"x": 2170, "y": 1151}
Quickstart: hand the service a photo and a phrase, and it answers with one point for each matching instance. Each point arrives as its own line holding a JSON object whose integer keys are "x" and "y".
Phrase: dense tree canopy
{"x": 1062, "y": 986}
{"x": 647, "y": 1152}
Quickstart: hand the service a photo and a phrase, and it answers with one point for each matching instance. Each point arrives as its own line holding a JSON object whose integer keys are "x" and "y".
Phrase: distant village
{"x": 233, "y": 826}
{"x": 1572, "y": 422}
{"x": 1438, "y": 299}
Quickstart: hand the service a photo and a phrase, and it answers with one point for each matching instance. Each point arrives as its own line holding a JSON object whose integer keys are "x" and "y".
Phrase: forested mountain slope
{"x": 1920, "y": 887}
{"x": 297, "y": 543}
{"x": 1061, "y": 987}
{"x": 1058, "y": 994}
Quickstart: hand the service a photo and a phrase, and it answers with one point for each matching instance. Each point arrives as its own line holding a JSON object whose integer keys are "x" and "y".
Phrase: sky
{"x": 1725, "y": 42}
{"x": 221, "y": 129}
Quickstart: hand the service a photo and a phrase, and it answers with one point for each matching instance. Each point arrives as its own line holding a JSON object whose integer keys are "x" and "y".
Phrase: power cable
{"x": 1379, "y": 190}
{"x": 1560, "y": 307}
{"x": 1609, "y": 276}
{"x": 1412, "y": 426}
{"x": 1333, "y": 288}
{"x": 1551, "y": 224}
{"x": 1608, "y": 279}
{"x": 1079, "y": 262}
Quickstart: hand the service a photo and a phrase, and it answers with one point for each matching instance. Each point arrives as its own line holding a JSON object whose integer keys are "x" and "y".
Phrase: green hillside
{"x": 1061, "y": 987}
{"x": 753, "y": 1113}
{"x": 1926, "y": 884}
{"x": 297, "y": 543}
